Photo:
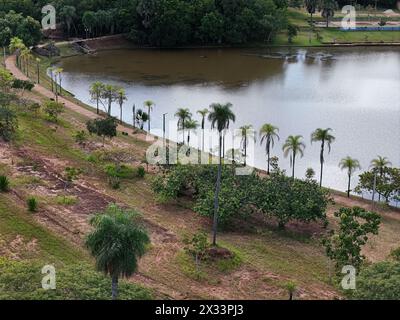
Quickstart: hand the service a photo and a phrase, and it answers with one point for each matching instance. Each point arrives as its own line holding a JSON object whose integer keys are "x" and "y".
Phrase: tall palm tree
{"x": 311, "y": 7}
{"x": 203, "y": 114}
{"x": 220, "y": 117}
{"x": 246, "y": 132}
{"x": 350, "y": 165}
{"x": 149, "y": 104}
{"x": 295, "y": 146}
{"x": 117, "y": 242}
{"x": 121, "y": 99}
{"x": 183, "y": 115}
{"x": 323, "y": 136}
{"x": 191, "y": 125}
{"x": 379, "y": 164}
{"x": 268, "y": 133}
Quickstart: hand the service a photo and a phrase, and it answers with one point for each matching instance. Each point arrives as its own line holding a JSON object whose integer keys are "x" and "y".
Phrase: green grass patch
{"x": 66, "y": 200}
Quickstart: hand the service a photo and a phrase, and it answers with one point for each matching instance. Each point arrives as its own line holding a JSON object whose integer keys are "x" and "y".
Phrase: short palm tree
{"x": 246, "y": 133}
{"x": 149, "y": 104}
{"x": 220, "y": 117}
{"x": 203, "y": 113}
{"x": 191, "y": 125}
{"x": 379, "y": 164}
{"x": 326, "y": 138}
{"x": 268, "y": 134}
{"x": 183, "y": 115}
{"x": 350, "y": 165}
{"x": 117, "y": 242}
{"x": 96, "y": 90}
{"x": 295, "y": 146}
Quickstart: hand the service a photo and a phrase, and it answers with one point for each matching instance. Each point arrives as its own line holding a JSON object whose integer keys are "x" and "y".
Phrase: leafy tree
{"x": 203, "y": 113}
{"x": 183, "y": 116}
{"x": 105, "y": 128}
{"x": 268, "y": 134}
{"x": 292, "y": 31}
{"x": 212, "y": 27}
{"x": 323, "y": 136}
{"x": 344, "y": 246}
{"x": 387, "y": 182}
{"x": 6, "y": 80}
{"x": 117, "y": 243}
{"x": 310, "y": 174}
{"x": 379, "y": 164}
{"x": 295, "y": 146}
{"x": 109, "y": 94}
{"x": 141, "y": 118}
{"x": 96, "y": 91}
{"x": 149, "y": 105}
{"x": 53, "y": 110}
{"x": 68, "y": 15}
{"x": 220, "y": 117}
{"x": 197, "y": 246}
{"x": 8, "y": 123}
{"x": 350, "y": 165}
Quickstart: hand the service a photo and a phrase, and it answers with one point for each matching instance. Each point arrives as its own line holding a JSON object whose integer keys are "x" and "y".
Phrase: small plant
{"x": 80, "y": 137}
{"x": 197, "y": 246}
{"x": 71, "y": 174}
{"x": 4, "y": 184}
{"x": 310, "y": 174}
{"x": 32, "y": 204}
{"x": 66, "y": 200}
{"x": 395, "y": 254}
{"x": 141, "y": 172}
{"x": 291, "y": 288}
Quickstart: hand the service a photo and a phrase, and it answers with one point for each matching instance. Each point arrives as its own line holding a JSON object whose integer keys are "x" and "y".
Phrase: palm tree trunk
{"x": 149, "y": 121}
{"x": 120, "y": 113}
{"x": 294, "y": 163}
{"x": 245, "y": 151}
{"x": 114, "y": 287}
{"x": 217, "y": 189}
{"x": 97, "y": 105}
{"x": 321, "y": 159}
{"x": 202, "y": 147}
{"x": 268, "y": 160}
{"x": 348, "y": 187}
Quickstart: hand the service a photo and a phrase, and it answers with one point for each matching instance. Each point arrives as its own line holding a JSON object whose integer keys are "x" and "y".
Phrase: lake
{"x": 356, "y": 92}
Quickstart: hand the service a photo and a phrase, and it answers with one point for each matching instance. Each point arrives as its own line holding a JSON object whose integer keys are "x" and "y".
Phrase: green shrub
{"x": 66, "y": 200}
{"x": 21, "y": 280}
{"x": 4, "y": 184}
{"x": 80, "y": 137}
{"x": 140, "y": 172}
{"x": 380, "y": 281}
{"x": 32, "y": 204}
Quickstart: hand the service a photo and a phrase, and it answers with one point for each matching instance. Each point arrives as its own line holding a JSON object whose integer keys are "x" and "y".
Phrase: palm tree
{"x": 295, "y": 146}
{"x": 203, "y": 114}
{"x": 96, "y": 90}
{"x": 191, "y": 125}
{"x": 268, "y": 133}
{"x": 58, "y": 73}
{"x": 324, "y": 136}
{"x": 183, "y": 115}
{"x": 38, "y": 69}
{"x": 117, "y": 242}
{"x": 149, "y": 104}
{"x": 246, "y": 132}
{"x": 311, "y": 7}
{"x": 379, "y": 164}
{"x": 121, "y": 99}
{"x": 350, "y": 165}
{"x": 220, "y": 118}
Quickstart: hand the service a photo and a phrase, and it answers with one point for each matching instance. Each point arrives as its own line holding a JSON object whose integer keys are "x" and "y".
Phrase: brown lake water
{"x": 357, "y": 94}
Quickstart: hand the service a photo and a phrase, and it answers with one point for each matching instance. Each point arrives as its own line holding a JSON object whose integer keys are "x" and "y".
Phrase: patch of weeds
{"x": 28, "y": 180}
{"x": 229, "y": 265}
{"x": 4, "y": 184}
{"x": 32, "y": 204}
{"x": 66, "y": 200}
{"x": 188, "y": 267}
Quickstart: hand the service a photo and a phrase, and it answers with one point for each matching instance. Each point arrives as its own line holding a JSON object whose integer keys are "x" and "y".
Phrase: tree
{"x": 350, "y": 165}
{"x": 103, "y": 127}
{"x": 53, "y": 110}
{"x": 68, "y": 14}
{"x": 109, "y": 94}
{"x": 8, "y": 123}
{"x": 268, "y": 134}
{"x": 246, "y": 133}
{"x": 197, "y": 246}
{"x": 89, "y": 20}
{"x": 58, "y": 73}
{"x": 294, "y": 146}
{"x": 121, "y": 98}
{"x": 203, "y": 113}
{"x": 328, "y": 9}
{"x": 379, "y": 164}
{"x": 220, "y": 117}
{"x": 6, "y": 80}
{"x": 183, "y": 115}
{"x": 141, "y": 118}
{"x": 323, "y": 136}
{"x": 117, "y": 242}
{"x": 292, "y": 31}
{"x": 149, "y": 104}
{"x": 191, "y": 125}
{"x": 311, "y": 6}
{"x": 344, "y": 246}
{"x": 96, "y": 91}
